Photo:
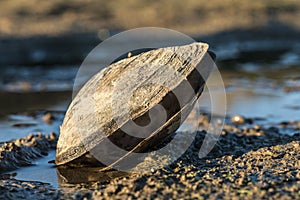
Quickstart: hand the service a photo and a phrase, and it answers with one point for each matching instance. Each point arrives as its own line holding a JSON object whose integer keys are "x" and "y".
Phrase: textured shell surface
{"x": 128, "y": 90}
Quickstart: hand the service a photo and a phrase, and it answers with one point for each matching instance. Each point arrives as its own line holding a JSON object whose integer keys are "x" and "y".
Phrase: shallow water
{"x": 15, "y": 126}
{"x": 46, "y": 172}
{"x": 255, "y": 88}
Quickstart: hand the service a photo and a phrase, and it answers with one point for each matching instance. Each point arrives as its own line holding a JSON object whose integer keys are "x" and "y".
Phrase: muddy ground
{"x": 249, "y": 161}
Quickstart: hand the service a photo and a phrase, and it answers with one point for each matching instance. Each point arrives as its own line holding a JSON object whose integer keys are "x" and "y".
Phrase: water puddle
{"x": 46, "y": 172}
{"x": 274, "y": 107}
{"x": 15, "y": 126}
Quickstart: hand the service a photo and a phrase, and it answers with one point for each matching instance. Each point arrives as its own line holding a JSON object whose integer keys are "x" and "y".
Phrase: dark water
{"x": 258, "y": 84}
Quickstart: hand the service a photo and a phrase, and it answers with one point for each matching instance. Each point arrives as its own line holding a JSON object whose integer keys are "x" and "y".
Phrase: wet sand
{"x": 249, "y": 161}
{"x": 21, "y": 152}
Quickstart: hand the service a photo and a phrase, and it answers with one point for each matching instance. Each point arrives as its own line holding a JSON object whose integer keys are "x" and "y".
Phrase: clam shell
{"x": 131, "y": 89}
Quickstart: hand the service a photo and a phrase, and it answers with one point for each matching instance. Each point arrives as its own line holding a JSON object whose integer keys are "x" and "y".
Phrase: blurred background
{"x": 42, "y": 44}
{"x": 194, "y": 17}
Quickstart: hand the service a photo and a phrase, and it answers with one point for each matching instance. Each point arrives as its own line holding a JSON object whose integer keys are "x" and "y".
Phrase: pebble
{"x": 237, "y": 119}
{"x": 48, "y": 118}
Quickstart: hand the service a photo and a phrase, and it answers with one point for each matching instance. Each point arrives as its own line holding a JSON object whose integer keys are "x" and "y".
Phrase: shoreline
{"x": 249, "y": 161}
{"x": 72, "y": 48}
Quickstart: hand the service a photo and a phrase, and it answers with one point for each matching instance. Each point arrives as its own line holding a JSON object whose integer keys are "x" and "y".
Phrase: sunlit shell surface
{"x": 158, "y": 87}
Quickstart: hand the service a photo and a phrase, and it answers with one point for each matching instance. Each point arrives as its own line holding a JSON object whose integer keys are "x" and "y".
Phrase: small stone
{"x": 18, "y": 142}
{"x": 30, "y": 136}
{"x": 237, "y": 119}
{"x": 129, "y": 54}
{"x": 48, "y": 118}
{"x": 53, "y": 136}
{"x": 257, "y": 127}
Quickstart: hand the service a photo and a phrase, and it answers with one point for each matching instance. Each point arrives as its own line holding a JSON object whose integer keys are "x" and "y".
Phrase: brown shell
{"x": 144, "y": 81}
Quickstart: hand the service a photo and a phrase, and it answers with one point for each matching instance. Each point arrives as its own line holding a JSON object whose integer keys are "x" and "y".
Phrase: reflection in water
{"x": 41, "y": 171}
{"x": 31, "y": 101}
{"x": 74, "y": 175}
{"x": 274, "y": 107}
{"x": 19, "y": 125}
